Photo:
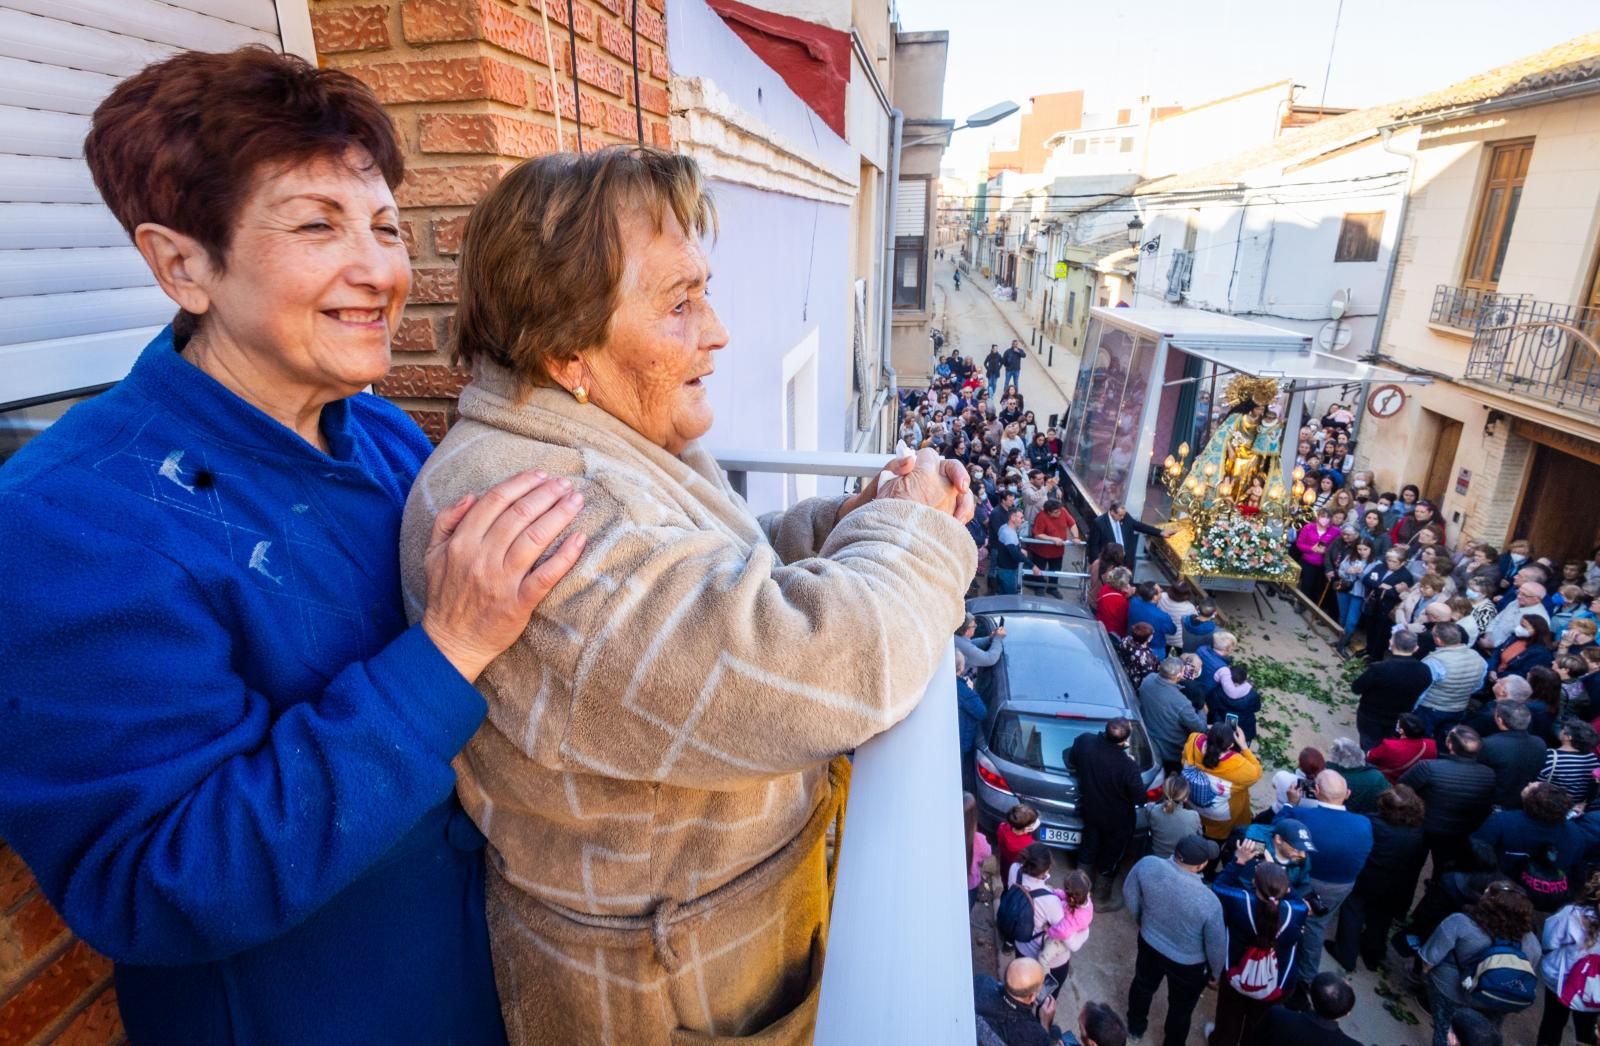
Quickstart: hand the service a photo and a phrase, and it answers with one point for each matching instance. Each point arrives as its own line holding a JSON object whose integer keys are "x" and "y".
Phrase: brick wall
{"x": 53, "y": 988}
{"x": 469, "y": 83}
{"x": 1503, "y": 467}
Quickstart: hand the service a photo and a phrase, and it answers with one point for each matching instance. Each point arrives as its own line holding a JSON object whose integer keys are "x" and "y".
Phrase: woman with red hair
{"x": 223, "y": 752}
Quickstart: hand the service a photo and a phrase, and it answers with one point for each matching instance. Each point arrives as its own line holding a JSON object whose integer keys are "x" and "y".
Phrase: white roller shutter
{"x": 76, "y": 301}
{"x": 911, "y": 208}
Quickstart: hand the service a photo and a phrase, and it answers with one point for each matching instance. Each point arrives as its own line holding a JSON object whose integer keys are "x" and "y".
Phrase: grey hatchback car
{"x": 1057, "y": 678}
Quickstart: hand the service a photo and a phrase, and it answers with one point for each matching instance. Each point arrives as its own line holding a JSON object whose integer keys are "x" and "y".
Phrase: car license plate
{"x": 1062, "y": 836}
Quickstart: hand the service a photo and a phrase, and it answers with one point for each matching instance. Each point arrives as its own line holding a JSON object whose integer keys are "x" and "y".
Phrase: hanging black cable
{"x": 577, "y": 99}
{"x": 638, "y": 113}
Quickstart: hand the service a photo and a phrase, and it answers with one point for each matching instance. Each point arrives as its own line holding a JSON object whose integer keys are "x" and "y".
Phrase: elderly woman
{"x": 224, "y": 754}
{"x": 661, "y": 764}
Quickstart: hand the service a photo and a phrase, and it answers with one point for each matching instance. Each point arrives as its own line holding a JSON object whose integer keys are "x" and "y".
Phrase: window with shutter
{"x": 1497, "y": 211}
{"x": 76, "y": 301}
{"x": 1359, "y": 236}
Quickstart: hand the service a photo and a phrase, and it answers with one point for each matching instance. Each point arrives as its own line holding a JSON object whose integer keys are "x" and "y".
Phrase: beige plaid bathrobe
{"x": 660, "y": 763}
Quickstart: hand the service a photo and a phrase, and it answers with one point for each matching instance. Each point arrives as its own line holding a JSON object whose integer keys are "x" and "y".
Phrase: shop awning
{"x": 1303, "y": 367}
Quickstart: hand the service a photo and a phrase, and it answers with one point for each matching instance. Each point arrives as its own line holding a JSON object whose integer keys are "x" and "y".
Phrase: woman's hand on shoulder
{"x": 482, "y": 582}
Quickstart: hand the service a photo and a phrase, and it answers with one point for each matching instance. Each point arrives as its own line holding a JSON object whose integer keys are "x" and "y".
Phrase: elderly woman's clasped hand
{"x": 923, "y": 477}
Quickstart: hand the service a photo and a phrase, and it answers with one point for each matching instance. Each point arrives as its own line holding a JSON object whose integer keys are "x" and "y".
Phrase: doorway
{"x": 1560, "y": 510}
{"x": 1441, "y": 467}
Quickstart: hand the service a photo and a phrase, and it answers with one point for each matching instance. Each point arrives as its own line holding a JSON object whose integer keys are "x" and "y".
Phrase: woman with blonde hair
{"x": 663, "y": 759}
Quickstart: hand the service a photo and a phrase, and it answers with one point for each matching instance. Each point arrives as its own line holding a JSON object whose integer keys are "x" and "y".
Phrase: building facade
{"x": 1497, "y": 297}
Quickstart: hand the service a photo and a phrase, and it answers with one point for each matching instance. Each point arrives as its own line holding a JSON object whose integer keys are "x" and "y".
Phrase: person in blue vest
{"x": 223, "y": 752}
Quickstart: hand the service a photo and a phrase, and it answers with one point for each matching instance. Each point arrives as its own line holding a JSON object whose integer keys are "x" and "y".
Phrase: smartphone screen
{"x": 1232, "y": 718}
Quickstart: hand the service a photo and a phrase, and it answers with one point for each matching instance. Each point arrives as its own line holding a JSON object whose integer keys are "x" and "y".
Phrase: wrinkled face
{"x": 650, "y": 372}
{"x": 1394, "y": 559}
{"x": 1527, "y": 596}
{"x": 316, "y": 277}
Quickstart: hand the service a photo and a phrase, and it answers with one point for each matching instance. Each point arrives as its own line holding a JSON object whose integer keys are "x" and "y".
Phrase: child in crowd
{"x": 1235, "y": 700}
{"x": 1016, "y": 834}
{"x": 1170, "y": 818}
{"x": 1066, "y": 936}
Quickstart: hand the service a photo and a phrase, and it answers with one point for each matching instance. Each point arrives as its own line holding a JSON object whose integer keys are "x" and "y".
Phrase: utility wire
{"x": 1181, "y": 193}
{"x": 638, "y": 112}
{"x": 577, "y": 98}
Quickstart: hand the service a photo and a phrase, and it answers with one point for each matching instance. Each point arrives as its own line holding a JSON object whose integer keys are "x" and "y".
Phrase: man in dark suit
{"x": 1388, "y": 688}
{"x": 1115, "y": 525}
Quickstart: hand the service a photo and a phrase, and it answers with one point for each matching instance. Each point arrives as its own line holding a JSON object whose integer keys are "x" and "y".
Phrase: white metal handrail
{"x": 892, "y": 923}
{"x": 900, "y": 911}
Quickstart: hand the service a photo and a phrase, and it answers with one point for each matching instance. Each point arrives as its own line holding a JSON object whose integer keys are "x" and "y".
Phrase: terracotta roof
{"x": 1575, "y": 60}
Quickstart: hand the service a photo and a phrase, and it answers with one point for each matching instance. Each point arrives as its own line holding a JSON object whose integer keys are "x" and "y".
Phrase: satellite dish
{"x": 1333, "y": 336}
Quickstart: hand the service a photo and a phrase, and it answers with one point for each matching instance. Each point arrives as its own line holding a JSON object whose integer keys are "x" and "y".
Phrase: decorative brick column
{"x": 474, "y": 86}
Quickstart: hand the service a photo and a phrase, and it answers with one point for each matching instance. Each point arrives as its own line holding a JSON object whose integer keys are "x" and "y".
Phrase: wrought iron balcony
{"x": 905, "y": 786}
{"x": 1460, "y": 307}
{"x": 1542, "y": 350}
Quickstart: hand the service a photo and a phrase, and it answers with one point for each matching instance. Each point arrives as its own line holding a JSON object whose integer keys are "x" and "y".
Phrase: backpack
{"x": 1580, "y": 988}
{"x": 1544, "y": 879}
{"x": 1208, "y": 793}
{"x": 1014, "y": 918}
{"x": 1502, "y": 979}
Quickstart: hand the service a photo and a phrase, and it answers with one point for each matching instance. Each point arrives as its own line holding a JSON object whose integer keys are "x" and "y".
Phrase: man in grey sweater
{"x": 1168, "y": 716}
{"x": 980, "y": 653}
{"x": 1181, "y": 936}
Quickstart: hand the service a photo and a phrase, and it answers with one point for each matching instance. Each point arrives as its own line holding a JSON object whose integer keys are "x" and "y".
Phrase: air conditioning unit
{"x": 1178, "y": 272}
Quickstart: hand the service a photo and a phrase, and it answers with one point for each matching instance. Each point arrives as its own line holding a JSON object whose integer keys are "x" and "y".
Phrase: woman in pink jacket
{"x": 1313, "y": 542}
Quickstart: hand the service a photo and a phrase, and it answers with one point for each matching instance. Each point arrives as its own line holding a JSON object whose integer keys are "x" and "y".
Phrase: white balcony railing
{"x": 900, "y": 913}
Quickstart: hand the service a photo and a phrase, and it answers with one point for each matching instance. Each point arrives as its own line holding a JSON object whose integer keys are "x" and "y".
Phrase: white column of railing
{"x": 899, "y": 961}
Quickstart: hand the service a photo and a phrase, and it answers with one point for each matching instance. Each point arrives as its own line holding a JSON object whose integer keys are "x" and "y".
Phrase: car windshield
{"x": 1040, "y": 742}
{"x": 1050, "y": 655}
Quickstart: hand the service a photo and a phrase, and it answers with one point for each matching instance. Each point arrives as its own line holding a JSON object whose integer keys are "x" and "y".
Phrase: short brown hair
{"x": 542, "y": 258}
{"x": 1401, "y": 805}
{"x": 180, "y": 142}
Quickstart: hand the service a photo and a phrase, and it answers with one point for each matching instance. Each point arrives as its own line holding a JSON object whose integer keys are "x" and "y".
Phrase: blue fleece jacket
{"x": 223, "y": 753}
{"x": 1159, "y": 620}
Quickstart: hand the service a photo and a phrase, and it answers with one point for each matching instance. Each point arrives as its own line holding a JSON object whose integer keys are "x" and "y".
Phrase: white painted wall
{"x": 1207, "y": 133}
{"x": 1274, "y": 259}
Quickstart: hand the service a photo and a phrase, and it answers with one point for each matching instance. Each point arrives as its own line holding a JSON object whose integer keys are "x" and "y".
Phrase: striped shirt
{"x": 1572, "y": 772}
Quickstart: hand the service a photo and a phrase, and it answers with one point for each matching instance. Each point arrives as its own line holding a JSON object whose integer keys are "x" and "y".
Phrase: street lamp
{"x": 982, "y": 118}
{"x": 1136, "y": 241}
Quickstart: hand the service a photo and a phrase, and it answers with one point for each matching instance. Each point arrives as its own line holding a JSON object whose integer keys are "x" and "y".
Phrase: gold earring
{"x": 580, "y": 394}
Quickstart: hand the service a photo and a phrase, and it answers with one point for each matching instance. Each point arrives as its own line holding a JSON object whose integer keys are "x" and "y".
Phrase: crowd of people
{"x": 1474, "y": 760}
{"x": 975, "y": 414}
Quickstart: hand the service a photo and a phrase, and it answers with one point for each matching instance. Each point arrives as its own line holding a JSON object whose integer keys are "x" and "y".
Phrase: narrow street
{"x": 972, "y": 321}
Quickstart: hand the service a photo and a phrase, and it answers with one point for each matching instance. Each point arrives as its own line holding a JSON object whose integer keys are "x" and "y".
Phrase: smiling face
{"x": 650, "y": 372}
{"x": 315, "y": 281}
